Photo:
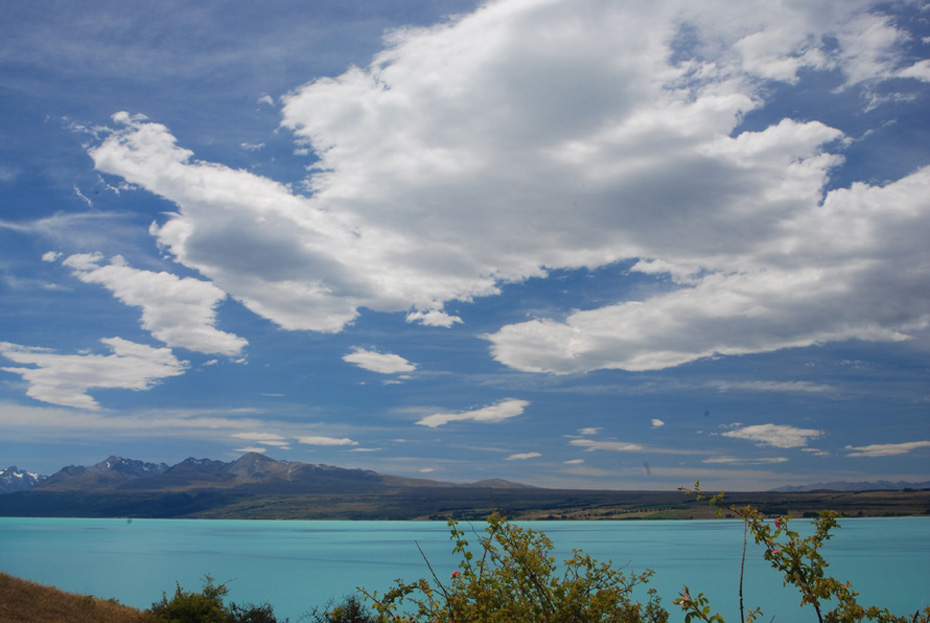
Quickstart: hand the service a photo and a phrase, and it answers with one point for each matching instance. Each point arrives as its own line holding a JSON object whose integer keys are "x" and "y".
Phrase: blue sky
{"x": 572, "y": 243}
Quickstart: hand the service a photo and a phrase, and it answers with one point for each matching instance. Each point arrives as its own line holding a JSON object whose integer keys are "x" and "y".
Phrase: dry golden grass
{"x": 22, "y": 601}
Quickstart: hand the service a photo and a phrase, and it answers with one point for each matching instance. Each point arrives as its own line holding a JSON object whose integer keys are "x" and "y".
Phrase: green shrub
{"x": 351, "y": 610}
{"x": 800, "y": 562}
{"x": 188, "y": 607}
{"x": 512, "y": 578}
{"x": 251, "y": 613}
{"x": 207, "y": 607}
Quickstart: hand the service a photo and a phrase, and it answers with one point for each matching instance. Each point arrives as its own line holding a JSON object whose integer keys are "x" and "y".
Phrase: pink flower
{"x": 775, "y": 550}
{"x": 454, "y": 574}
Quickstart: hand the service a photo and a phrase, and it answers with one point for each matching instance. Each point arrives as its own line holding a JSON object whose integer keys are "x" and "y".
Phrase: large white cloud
{"x": 288, "y": 258}
{"x": 852, "y": 267}
{"x": 179, "y": 312}
{"x": 539, "y": 134}
{"x": 65, "y": 379}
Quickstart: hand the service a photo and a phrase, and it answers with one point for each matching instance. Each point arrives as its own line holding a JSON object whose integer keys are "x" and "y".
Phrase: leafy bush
{"x": 351, "y": 610}
{"x": 188, "y": 607}
{"x": 800, "y": 561}
{"x": 250, "y": 613}
{"x": 207, "y": 607}
{"x": 513, "y": 578}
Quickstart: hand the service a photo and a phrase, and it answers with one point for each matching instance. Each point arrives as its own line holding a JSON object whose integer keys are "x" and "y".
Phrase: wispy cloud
{"x": 773, "y": 386}
{"x": 267, "y": 439}
{"x": 8, "y": 173}
{"x": 69, "y": 227}
{"x": 315, "y": 440}
{"x": 886, "y": 449}
{"x": 776, "y": 435}
{"x": 494, "y": 413}
{"x": 591, "y": 445}
{"x": 523, "y": 456}
{"x": 30, "y": 423}
{"x": 730, "y": 460}
{"x": 83, "y": 197}
{"x": 258, "y": 449}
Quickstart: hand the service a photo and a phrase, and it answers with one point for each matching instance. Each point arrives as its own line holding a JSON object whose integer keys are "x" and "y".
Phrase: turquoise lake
{"x": 296, "y": 565}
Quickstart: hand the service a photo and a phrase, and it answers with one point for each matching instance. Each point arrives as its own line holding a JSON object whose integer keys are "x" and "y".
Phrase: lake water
{"x": 296, "y": 565}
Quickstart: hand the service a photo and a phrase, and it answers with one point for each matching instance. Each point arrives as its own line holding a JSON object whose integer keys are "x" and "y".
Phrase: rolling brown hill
{"x": 22, "y": 601}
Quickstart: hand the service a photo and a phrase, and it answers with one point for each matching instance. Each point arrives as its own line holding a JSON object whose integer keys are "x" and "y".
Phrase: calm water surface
{"x": 296, "y": 565}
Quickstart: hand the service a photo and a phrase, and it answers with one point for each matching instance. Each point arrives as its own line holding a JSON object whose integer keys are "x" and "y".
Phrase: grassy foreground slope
{"x": 22, "y": 601}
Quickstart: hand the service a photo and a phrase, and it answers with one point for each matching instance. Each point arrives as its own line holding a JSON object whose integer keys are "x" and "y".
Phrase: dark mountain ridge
{"x": 109, "y": 473}
{"x": 252, "y": 472}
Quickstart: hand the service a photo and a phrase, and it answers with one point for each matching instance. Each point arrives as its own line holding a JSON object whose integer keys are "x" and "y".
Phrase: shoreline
{"x": 441, "y": 504}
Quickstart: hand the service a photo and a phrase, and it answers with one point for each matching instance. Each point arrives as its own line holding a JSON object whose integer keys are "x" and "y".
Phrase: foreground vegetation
{"x": 509, "y": 576}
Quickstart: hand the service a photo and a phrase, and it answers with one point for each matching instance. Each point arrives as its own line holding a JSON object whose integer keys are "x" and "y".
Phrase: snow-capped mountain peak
{"x": 14, "y": 479}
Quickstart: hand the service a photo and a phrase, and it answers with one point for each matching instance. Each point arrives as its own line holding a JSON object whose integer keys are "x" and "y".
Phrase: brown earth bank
{"x": 22, "y": 601}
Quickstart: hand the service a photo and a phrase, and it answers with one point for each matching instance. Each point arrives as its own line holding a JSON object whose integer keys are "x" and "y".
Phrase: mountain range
{"x": 251, "y": 473}
{"x": 255, "y": 486}
{"x": 254, "y": 473}
{"x": 14, "y": 479}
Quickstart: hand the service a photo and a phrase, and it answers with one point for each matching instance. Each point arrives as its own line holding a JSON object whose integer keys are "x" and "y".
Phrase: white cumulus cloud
{"x": 540, "y": 134}
{"x": 179, "y": 312}
{"x": 383, "y": 363}
{"x": 66, "y": 379}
